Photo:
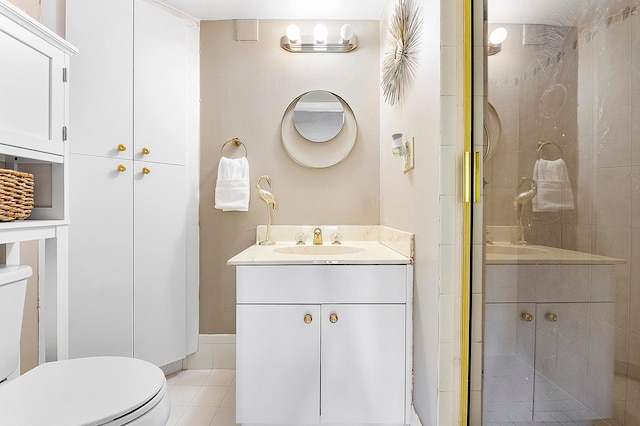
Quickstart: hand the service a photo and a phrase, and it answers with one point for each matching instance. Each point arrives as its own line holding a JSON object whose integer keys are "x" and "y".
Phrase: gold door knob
{"x": 121, "y": 168}
{"x": 526, "y": 316}
{"x": 146, "y": 170}
{"x": 333, "y": 318}
{"x": 308, "y": 318}
{"x": 146, "y": 151}
{"x": 121, "y": 147}
{"x": 549, "y": 316}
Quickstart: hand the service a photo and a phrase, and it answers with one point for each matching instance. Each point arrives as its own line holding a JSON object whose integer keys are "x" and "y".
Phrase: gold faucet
{"x": 317, "y": 237}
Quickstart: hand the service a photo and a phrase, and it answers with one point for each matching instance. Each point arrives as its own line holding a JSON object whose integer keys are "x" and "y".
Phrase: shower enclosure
{"x": 561, "y": 213}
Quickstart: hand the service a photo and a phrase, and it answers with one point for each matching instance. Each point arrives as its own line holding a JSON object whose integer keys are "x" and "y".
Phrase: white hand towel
{"x": 232, "y": 186}
{"x": 554, "y": 189}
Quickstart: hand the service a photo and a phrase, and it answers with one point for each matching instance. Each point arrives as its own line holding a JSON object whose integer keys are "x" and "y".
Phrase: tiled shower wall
{"x": 608, "y": 199}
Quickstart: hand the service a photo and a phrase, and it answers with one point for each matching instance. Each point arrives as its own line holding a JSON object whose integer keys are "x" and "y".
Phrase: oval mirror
{"x": 318, "y": 116}
{"x": 337, "y": 143}
{"x": 492, "y": 131}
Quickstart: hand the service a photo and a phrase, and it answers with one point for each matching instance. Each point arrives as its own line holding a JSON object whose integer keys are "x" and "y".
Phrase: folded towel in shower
{"x": 232, "y": 186}
{"x": 554, "y": 189}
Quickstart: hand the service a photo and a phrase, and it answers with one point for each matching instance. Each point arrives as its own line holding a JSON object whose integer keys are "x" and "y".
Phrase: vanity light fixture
{"x": 320, "y": 41}
{"x": 496, "y": 38}
{"x": 404, "y": 150}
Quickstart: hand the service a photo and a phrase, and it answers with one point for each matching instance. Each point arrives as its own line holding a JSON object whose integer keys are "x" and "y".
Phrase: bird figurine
{"x": 270, "y": 200}
{"x": 518, "y": 204}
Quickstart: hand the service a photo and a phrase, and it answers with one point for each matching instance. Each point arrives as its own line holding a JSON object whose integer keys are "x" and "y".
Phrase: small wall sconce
{"x": 320, "y": 41}
{"x": 404, "y": 150}
{"x": 496, "y": 38}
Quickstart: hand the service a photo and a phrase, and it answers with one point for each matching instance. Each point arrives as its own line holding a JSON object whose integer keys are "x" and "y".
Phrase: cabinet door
{"x": 363, "y": 364}
{"x": 159, "y": 262}
{"x": 101, "y": 89}
{"x": 32, "y": 91}
{"x": 161, "y": 43}
{"x": 278, "y": 364}
{"x": 100, "y": 257}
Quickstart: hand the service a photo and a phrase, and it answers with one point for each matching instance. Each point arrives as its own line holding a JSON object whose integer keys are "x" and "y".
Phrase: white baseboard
{"x": 172, "y": 368}
{"x": 214, "y": 351}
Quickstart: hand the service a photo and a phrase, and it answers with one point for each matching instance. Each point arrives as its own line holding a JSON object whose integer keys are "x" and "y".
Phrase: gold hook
{"x": 236, "y": 142}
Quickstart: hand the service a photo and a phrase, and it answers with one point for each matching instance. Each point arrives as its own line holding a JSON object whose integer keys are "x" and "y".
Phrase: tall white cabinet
{"x": 133, "y": 238}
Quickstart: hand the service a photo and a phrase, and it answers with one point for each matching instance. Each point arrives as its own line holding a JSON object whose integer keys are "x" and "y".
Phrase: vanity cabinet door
{"x": 278, "y": 364}
{"x": 363, "y": 364}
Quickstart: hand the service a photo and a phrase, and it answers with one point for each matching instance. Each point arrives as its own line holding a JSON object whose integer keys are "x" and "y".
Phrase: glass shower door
{"x": 561, "y": 212}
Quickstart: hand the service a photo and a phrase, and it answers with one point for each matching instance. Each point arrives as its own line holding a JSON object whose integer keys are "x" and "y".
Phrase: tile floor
{"x": 509, "y": 397}
{"x": 202, "y": 397}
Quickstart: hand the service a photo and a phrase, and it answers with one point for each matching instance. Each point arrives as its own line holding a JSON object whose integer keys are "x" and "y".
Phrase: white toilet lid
{"x": 78, "y": 392}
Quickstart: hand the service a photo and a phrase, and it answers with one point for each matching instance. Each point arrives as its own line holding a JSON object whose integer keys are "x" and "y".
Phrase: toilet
{"x": 77, "y": 392}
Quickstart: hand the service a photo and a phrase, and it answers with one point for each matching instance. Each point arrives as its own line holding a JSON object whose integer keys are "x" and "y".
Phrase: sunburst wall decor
{"x": 401, "y": 56}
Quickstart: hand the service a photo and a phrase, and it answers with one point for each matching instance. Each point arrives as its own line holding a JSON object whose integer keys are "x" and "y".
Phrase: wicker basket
{"x": 16, "y": 195}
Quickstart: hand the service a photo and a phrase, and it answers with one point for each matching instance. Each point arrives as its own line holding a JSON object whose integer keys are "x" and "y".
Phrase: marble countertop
{"x": 504, "y": 253}
{"x": 362, "y": 253}
{"x": 361, "y": 245}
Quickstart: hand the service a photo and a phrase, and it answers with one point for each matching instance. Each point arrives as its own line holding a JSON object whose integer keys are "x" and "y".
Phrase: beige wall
{"x": 49, "y": 12}
{"x": 411, "y": 201}
{"x": 245, "y": 89}
{"x": 31, "y": 7}
{"x": 29, "y": 336}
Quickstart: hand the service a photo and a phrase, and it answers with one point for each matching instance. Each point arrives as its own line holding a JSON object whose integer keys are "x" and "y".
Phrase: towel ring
{"x": 236, "y": 142}
{"x": 542, "y": 144}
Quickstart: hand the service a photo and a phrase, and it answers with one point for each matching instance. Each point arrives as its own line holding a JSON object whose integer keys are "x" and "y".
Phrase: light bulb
{"x": 320, "y": 33}
{"x": 397, "y": 139}
{"x": 398, "y": 148}
{"x": 293, "y": 33}
{"x": 498, "y": 35}
{"x": 346, "y": 32}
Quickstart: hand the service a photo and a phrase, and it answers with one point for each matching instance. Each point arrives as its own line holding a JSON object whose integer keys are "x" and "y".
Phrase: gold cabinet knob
{"x": 146, "y": 170}
{"x": 146, "y": 151}
{"x": 333, "y": 318}
{"x": 122, "y": 168}
{"x": 551, "y": 317}
{"x": 526, "y": 316}
{"x": 121, "y": 147}
{"x": 308, "y": 318}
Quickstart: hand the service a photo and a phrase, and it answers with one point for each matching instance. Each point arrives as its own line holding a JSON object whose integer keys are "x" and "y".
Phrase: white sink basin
{"x": 512, "y": 249}
{"x": 328, "y": 250}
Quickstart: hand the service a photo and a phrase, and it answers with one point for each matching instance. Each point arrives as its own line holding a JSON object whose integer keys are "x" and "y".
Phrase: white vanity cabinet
{"x": 134, "y": 192}
{"x": 325, "y": 344}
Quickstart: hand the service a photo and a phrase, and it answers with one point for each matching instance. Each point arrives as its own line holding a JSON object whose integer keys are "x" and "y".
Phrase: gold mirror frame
{"x": 401, "y": 55}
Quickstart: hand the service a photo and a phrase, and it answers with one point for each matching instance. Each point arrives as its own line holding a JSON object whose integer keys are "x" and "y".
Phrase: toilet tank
{"x": 13, "y": 286}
